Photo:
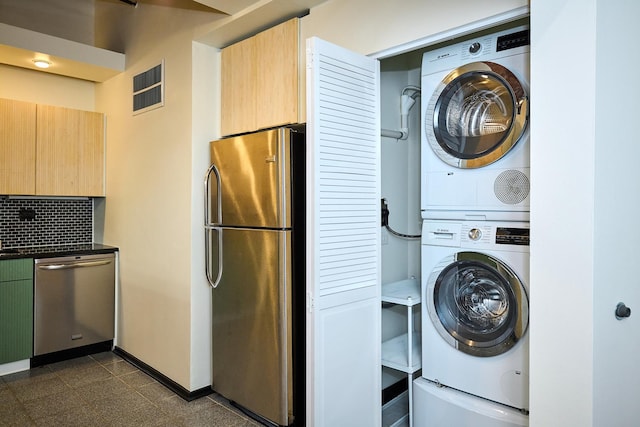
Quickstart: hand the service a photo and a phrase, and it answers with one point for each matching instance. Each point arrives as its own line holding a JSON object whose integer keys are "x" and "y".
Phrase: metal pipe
{"x": 396, "y": 134}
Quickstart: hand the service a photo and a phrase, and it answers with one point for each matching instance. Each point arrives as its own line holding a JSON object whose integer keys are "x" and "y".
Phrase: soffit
{"x": 19, "y": 47}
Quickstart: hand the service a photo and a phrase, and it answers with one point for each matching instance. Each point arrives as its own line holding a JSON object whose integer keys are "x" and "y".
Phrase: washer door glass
{"x": 479, "y": 305}
{"x": 478, "y": 113}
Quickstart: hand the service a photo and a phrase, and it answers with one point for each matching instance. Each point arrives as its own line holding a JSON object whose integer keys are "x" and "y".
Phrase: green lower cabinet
{"x": 16, "y": 310}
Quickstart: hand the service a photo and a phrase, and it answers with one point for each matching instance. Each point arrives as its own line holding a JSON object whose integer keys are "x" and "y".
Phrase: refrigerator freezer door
{"x": 252, "y": 321}
{"x": 252, "y": 180}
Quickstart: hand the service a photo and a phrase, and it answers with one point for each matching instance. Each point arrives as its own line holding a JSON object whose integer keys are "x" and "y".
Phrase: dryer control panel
{"x": 513, "y": 40}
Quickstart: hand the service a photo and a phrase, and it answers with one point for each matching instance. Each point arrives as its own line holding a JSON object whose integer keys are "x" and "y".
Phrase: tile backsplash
{"x": 45, "y": 222}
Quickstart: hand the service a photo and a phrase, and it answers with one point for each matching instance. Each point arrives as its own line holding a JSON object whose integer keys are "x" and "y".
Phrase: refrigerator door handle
{"x": 207, "y": 250}
{"x": 209, "y": 225}
{"x": 207, "y": 196}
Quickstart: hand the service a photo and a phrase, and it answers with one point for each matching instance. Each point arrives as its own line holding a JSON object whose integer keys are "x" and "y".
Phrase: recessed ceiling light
{"x": 41, "y": 63}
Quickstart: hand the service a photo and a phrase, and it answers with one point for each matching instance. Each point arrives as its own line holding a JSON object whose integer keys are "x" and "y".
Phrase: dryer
{"x": 475, "y": 139}
{"x": 475, "y": 308}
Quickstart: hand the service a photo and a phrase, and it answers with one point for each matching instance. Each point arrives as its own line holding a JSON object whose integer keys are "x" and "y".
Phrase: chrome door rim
{"x": 462, "y": 337}
{"x": 518, "y": 125}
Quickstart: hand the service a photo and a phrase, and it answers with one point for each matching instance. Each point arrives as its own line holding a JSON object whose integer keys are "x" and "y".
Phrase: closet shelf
{"x": 404, "y": 292}
{"x": 395, "y": 351}
{"x": 402, "y": 352}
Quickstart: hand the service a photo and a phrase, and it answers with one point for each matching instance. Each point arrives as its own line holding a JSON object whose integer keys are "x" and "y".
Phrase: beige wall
{"x": 206, "y": 127}
{"x": 44, "y": 88}
{"x": 148, "y": 209}
{"x": 369, "y": 26}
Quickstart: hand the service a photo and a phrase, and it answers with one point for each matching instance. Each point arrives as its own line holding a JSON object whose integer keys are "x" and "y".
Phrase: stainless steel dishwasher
{"x": 74, "y": 302}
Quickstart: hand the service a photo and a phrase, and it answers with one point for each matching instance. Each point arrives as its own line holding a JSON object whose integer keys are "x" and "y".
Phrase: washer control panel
{"x": 476, "y": 234}
{"x": 474, "y": 47}
{"x": 512, "y": 236}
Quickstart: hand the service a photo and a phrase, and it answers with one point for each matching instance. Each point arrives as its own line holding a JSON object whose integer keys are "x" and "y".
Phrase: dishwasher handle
{"x": 74, "y": 264}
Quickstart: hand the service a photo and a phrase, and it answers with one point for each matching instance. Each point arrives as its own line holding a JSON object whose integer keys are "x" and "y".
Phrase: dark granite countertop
{"x": 56, "y": 251}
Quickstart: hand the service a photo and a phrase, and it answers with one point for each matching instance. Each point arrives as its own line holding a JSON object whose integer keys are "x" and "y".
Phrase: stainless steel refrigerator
{"x": 255, "y": 255}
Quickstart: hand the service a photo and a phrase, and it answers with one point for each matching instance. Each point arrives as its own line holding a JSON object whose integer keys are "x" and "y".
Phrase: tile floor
{"x": 104, "y": 390}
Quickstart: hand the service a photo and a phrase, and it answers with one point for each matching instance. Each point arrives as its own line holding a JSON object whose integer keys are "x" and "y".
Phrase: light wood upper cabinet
{"x": 277, "y": 75}
{"x": 50, "y": 151}
{"x": 238, "y": 87}
{"x": 91, "y": 162}
{"x": 260, "y": 80}
{"x": 70, "y": 152}
{"x": 17, "y": 147}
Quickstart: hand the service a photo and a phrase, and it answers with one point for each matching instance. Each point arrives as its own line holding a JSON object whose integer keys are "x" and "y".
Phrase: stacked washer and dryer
{"x": 475, "y": 237}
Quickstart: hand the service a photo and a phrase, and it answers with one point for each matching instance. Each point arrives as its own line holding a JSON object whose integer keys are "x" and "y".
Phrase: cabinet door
{"x": 70, "y": 152}
{"x": 17, "y": 147}
{"x": 16, "y": 310}
{"x": 277, "y": 75}
{"x": 260, "y": 80}
{"x": 91, "y": 154}
{"x": 238, "y": 90}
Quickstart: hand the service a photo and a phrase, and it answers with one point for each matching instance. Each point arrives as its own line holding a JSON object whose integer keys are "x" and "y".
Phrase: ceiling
{"x": 81, "y": 44}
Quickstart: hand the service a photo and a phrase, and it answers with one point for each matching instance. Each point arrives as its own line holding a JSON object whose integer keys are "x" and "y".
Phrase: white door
{"x": 616, "y": 379}
{"x": 590, "y": 376}
{"x": 343, "y": 235}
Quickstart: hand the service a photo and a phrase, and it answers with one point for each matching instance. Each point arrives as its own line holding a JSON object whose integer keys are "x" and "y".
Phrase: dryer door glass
{"x": 481, "y": 305}
{"x": 480, "y": 112}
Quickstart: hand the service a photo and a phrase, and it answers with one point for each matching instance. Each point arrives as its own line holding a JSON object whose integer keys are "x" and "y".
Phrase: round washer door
{"x": 477, "y": 304}
{"x": 476, "y": 115}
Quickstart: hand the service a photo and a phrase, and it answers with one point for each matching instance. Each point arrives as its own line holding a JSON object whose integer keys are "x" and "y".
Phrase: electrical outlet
{"x": 27, "y": 214}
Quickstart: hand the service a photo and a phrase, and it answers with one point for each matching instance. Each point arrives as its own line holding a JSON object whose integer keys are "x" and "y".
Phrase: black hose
{"x": 402, "y": 236}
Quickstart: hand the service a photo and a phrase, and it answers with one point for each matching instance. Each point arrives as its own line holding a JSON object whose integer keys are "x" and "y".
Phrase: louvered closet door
{"x": 343, "y": 205}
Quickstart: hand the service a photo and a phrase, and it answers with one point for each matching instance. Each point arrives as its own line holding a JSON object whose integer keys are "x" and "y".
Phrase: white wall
{"x": 400, "y": 175}
{"x": 400, "y": 185}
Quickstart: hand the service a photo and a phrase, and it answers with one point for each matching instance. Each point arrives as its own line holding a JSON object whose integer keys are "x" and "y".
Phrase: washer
{"x": 475, "y": 308}
{"x": 445, "y": 407}
{"x": 475, "y": 139}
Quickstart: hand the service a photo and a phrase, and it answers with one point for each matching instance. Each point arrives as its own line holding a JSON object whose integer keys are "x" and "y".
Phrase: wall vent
{"x": 148, "y": 89}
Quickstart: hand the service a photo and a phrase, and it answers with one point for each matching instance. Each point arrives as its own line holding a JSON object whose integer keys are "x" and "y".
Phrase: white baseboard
{"x": 10, "y": 368}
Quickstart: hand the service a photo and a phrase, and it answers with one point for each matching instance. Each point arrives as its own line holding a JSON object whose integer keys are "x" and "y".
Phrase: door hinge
{"x": 310, "y": 302}
{"x": 309, "y": 59}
